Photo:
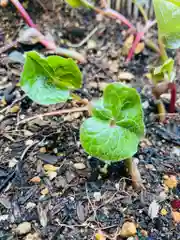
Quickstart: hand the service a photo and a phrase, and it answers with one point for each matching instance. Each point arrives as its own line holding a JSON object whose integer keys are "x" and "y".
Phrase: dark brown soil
{"x": 71, "y": 208}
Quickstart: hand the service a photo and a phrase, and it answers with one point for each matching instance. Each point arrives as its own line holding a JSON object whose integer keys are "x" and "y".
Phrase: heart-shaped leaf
{"x": 116, "y": 126}
{"x": 48, "y": 80}
{"x": 168, "y": 18}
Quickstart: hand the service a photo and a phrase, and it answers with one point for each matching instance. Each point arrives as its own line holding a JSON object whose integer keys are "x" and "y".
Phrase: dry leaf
{"x": 100, "y": 235}
{"x": 45, "y": 191}
{"x": 163, "y": 212}
{"x": 139, "y": 48}
{"x": 170, "y": 181}
{"x": 35, "y": 179}
{"x": 42, "y": 215}
{"x": 176, "y": 216}
{"x": 127, "y": 44}
{"x": 153, "y": 209}
{"x": 49, "y": 167}
{"x": 51, "y": 175}
{"x": 128, "y": 229}
{"x": 14, "y": 109}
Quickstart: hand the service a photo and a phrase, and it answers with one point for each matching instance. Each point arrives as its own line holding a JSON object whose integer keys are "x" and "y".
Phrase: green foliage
{"x": 165, "y": 69}
{"x": 74, "y": 3}
{"x": 168, "y": 18}
{"x": 49, "y": 80}
{"x": 176, "y": 2}
{"x": 79, "y": 3}
{"x": 116, "y": 126}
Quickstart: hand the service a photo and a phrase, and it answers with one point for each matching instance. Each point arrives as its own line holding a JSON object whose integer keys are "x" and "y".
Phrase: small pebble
{"x": 23, "y": 228}
{"x": 29, "y": 142}
{"x": 79, "y": 166}
{"x": 91, "y": 45}
{"x": 97, "y": 196}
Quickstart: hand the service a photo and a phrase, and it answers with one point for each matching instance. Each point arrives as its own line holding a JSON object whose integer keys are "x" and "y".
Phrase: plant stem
{"x": 163, "y": 52}
{"x": 109, "y": 13}
{"x": 161, "y": 110}
{"x": 48, "y": 44}
{"x": 133, "y": 171}
{"x": 23, "y": 13}
{"x": 138, "y": 38}
{"x": 172, "y": 86}
{"x": 150, "y": 44}
{"x": 142, "y": 11}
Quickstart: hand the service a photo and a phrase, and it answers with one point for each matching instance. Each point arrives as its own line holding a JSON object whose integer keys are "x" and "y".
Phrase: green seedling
{"x": 116, "y": 126}
{"x": 49, "y": 80}
{"x": 168, "y": 16}
{"x": 113, "y": 132}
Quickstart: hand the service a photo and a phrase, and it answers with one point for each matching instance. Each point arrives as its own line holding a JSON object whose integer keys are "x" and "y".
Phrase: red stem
{"x": 138, "y": 38}
{"x": 172, "y": 86}
{"x": 118, "y": 16}
{"x": 48, "y": 44}
{"x": 23, "y": 13}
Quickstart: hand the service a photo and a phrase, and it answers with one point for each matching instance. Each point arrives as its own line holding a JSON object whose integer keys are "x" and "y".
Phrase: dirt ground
{"x": 78, "y": 200}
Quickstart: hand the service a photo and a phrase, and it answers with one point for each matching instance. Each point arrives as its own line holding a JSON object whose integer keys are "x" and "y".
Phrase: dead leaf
{"x": 45, "y": 191}
{"x": 139, "y": 48}
{"x": 176, "y": 216}
{"x": 49, "y": 167}
{"x": 14, "y": 109}
{"x": 100, "y": 235}
{"x": 163, "y": 212}
{"x": 128, "y": 230}
{"x": 35, "y": 179}
{"x": 127, "y": 44}
{"x": 42, "y": 215}
{"x": 80, "y": 212}
{"x": 51, "y": 175}
{"x": 153, "y": 209}
{"x": 170, "y": 181}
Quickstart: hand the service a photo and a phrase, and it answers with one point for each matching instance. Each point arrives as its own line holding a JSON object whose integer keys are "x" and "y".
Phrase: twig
{"x": 12, "y": 104}
{"x": 85, "y": 39}
{"x": 60, "y": 112}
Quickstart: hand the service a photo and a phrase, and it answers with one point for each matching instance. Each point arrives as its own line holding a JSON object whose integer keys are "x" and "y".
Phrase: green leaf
{"x": 116, "y": 126}
{"x": 74, "y": 3}
{"x": 165, "y": 68}
{"x": 48, "y": 80}
{"x": 168, "y": 18}
{"x": 176, "y": 2}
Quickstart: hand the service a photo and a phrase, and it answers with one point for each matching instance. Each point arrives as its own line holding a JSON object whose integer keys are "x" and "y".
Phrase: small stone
{"x": 30, "y": 205}
{"x": 33, "y": 236}
{"x": 12, "y": 163}
{"x": 23, "y": 228}
{"x": 128, "y": 229}
{"x": 97, "y": 196}
{"x": 125, "y": 76}
{"x": 113, "y": 66}
{"x": 145, "y": 105}
{"x": 79, "y": 166}
{"x": 69, "y": 176}
{"x": 60, "y": 182}
{"x": 91, "y": 44}
{"x": 29, "y": 142}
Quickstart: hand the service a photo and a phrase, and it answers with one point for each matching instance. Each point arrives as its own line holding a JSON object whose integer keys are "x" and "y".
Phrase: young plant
{"x": 113, "y": 132}
{"x": 168, "y": 16}
{"x": 49, "y": 80}
{"x": 116, "y": 126}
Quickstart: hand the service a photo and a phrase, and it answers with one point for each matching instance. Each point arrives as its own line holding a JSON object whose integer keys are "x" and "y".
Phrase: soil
{"x": 76, "y": 203}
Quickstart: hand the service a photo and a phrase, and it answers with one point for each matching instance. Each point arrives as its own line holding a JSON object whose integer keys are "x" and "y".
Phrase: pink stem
{"x": 172, "y": 86}
{"x": 23, "y": 13}
{"x": 138, "y": 38}
{"x": 119, "y": 16}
